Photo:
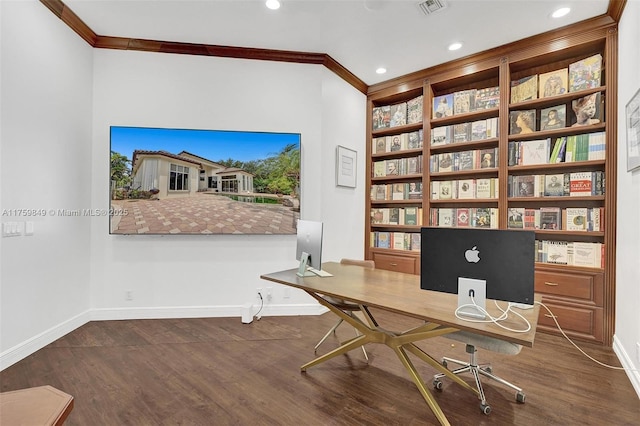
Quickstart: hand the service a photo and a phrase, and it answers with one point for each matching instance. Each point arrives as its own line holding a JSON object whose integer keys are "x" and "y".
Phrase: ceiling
{"x": 361, "y": 35}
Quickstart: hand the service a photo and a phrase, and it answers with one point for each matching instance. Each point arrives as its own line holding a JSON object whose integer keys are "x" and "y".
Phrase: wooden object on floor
{"x": 38, "y": 406}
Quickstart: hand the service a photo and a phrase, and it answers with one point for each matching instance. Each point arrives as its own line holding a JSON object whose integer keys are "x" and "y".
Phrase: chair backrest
{"x": 366, "y": 263}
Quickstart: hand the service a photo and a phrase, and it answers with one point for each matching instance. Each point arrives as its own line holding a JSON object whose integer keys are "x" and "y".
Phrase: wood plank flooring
{"x": 218, "y": 371}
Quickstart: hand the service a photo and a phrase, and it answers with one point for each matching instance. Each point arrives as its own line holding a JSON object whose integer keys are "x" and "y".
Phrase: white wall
{"x": 627, "y": 335}
{"x": 216, "y": 275}
{"x": 46, "y": 82}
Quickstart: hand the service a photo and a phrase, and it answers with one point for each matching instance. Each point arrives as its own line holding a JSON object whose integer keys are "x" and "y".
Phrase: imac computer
{"x": 309, "y": 249}
{"x": 477, "y": 264}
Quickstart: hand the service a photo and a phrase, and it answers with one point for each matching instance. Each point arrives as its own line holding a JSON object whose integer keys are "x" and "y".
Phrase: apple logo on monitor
{"x": 472, "y": 255}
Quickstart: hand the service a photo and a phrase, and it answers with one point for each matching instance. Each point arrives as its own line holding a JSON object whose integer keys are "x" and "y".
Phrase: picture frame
{"x": 633, "y": 132}
{"x": 346, "y": 161}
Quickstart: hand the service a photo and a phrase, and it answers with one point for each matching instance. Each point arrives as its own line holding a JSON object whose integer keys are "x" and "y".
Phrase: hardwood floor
{"x": 218, "y": 371}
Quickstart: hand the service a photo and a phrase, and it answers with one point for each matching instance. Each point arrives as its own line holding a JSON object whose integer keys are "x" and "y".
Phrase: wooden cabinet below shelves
{"x": 576, "y": 299}
{"x": 406, "y": 264}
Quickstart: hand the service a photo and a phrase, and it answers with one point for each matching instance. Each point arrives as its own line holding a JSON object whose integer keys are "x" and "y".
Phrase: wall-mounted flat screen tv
{"x": 204, "y": 182}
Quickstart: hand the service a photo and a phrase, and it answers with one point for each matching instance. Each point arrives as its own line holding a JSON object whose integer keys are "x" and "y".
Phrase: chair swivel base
{"x": 476, "y": 371}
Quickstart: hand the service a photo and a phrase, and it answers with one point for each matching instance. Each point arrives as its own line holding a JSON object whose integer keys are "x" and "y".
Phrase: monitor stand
{"x": 304, "y": 270}
{"x": 468, "y": 287}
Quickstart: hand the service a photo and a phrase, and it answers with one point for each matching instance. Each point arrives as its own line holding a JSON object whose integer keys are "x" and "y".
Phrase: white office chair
{"x": 351, "y": 308}
{"x": 472, "y": 342}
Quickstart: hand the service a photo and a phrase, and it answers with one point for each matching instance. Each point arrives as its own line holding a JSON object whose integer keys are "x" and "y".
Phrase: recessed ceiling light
{"x": 273, "y": 4}
{"x": 381, "y": 70}
{"x": 455, "y": 46}
{"x": 559, "y": 13}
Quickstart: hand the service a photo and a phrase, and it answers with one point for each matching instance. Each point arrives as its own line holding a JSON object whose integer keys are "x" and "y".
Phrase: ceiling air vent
{"x": 430, "y": 6}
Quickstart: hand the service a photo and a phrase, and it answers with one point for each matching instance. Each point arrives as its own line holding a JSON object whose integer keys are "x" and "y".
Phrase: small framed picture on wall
{"x": 345, "y": 167}
{"x": 633, "y": 132}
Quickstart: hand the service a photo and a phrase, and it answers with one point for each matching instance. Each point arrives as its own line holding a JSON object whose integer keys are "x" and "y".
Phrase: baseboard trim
{"x": 627, "y": 363}
{"x": 28, "y": 347}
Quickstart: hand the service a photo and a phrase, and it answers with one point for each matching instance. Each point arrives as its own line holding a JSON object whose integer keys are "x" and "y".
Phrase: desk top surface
{"x": 42, "y": 405}
{"x": 401, "y": 293}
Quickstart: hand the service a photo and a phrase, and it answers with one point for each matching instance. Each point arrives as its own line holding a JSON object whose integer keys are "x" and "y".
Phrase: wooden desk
{"x": 39, "y": 406}
{"x": 401, "y": 294}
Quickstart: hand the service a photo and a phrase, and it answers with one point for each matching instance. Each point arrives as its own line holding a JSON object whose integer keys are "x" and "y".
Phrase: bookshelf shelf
{"x": 576, "y": 291}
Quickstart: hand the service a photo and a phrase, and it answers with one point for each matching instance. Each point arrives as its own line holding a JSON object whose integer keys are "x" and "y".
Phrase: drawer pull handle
{"x": 550, "y": 284}
{"x": 394, "y": 264}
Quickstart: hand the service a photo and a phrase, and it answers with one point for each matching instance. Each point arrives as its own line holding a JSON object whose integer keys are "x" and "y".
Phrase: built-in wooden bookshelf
{"x": 481, "y": 169}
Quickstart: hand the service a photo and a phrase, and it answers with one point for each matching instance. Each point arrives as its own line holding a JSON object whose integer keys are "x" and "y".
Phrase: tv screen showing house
{"x": 204, "y": 182}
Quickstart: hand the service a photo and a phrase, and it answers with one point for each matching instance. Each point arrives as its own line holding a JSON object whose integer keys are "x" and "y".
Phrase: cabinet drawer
{"x": 395, "y": 263}
{"x": 576, "y": 286}
{"x": 582, "y": 322}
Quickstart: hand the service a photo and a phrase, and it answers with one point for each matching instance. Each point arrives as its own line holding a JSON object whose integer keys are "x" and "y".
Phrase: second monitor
{"x": 504, "y": 259}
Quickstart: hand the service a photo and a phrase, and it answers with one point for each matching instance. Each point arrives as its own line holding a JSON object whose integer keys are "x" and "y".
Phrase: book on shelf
{"x": 462, "y": 132}
{"x": 445, "y": 162}
{"x": 394, "y": 143}
{"x": 446, "y": 217}
{"x": 493, "y": 130}
{"x": 412, "y": 165}
{"x": 398, "y": 115}
{"x": 586, "y": 110}
{"x": 379, "y": 168}
{"x": 484, "y": 217}
{"x": 556, "y": 252}
{"x": 531, "y": 219}
{"x": 394, "y": 216}
{"x": 534, "y": 152}
{"x": 554, "y": 185}
{"x": 483, "y": 188}
{"x": 398, "y": 241}
{"x": 411, "y": 216}
{"x": 488, "y": 158}
{"x": 397, "y": 191}
{"x": 585, "y": 254}
{"x": 464, "y": 101}
{"x": 554, "y": 83}
{"x": 379, "y": 145}
{"x": 479, "y": 130}
{"x": 597, "y": 146}
{"x": 581, "y": 184}
{"x": 379, "y": 216}
{"x": 522, "y": 122}
{"x": 553, "y": 117}
{"x": 443, "y": 106}
{"x": 575, "y": 218}
{"x": 487, "y": 98}
{"x": 523, "y": 186}
{"x": 466, "y": 160}
{"x": 585, "y": 73}
{"x": 441, "y": 135}
{"x": 445, "y": 190}
{"x": 550, "y": 218}
{"x": 557, "y": 153}
{"x": 392, "y": 168}
{"x": 414, "y": 190}
{"x": 462, "y": 217}
{"x": 383, "y": 239}
{"x": 381, "y": 117}
{"x": 524, "y": 89}
{"x": 414, "y": 110}
{"x": 415, "y": 139}
{"x": 466, "y": 188}
{"x": 415, "y": 241}
{"x": 515, "y": 219}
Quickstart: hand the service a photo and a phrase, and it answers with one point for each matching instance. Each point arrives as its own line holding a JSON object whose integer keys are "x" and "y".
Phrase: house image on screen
{"x": 184, "y": 174}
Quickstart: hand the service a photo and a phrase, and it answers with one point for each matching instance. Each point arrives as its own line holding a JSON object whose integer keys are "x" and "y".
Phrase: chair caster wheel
{"x": 520, "y": 397}
{"x": 486, "y": 409}
{"x": 444, "y": 362}
{"x": 437, "y": 384}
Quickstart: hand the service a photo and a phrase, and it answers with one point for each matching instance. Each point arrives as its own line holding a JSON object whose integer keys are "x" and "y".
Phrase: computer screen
{"x": 503, "y": 258}
{"x": 310, "y": 241}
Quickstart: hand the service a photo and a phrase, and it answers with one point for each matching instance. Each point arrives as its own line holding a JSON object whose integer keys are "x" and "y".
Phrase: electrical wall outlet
{"x": 128, "y": 295}
{"x": 269, "y": 293}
